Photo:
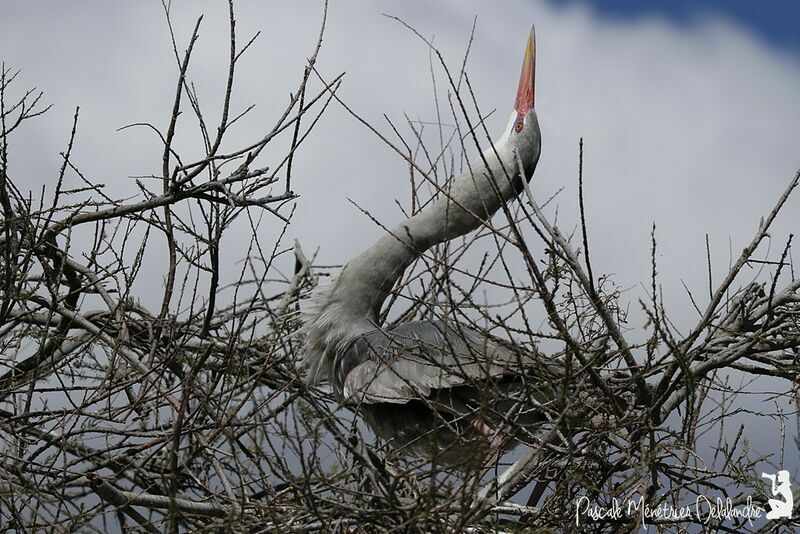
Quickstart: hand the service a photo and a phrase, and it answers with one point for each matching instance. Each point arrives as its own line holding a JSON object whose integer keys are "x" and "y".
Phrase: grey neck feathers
{"x": 351, "y": 303}
{"x": 369, "y": 277}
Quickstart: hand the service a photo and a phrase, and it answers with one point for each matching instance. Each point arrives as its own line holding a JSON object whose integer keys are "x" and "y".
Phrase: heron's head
{"x": 523, "y": 126}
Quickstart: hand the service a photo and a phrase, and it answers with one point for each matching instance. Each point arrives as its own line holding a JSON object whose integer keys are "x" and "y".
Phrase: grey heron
{"x": 419, "y": 385}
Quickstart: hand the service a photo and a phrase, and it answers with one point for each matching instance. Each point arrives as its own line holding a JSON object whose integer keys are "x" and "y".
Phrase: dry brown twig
{"x": 191, "y": 414}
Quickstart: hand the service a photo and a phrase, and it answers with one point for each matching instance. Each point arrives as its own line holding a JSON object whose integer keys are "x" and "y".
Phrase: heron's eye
{"x": 518, "y": 127}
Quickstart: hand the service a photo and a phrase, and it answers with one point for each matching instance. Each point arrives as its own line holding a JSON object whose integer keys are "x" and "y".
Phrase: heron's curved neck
{"x": 365, "y": 282}
{"x": 350, "y": 305}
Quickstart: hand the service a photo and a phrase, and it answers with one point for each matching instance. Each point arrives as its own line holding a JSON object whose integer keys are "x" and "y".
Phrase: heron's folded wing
{"x": 415, "y": 358}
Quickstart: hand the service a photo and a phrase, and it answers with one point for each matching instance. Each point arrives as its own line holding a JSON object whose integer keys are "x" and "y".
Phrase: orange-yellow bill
{"x": 527, "y": 77}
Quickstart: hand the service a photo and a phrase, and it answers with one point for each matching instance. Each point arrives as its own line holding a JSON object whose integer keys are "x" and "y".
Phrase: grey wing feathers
{"x": 416, "y": 358}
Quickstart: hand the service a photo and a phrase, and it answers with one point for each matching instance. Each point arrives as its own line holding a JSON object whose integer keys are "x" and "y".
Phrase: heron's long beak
{"x": 527, "y": 77}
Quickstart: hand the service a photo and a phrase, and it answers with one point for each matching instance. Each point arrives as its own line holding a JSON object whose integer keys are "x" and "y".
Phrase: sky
{"x": 689, "y": 112}
{"x": 775, "y": 22}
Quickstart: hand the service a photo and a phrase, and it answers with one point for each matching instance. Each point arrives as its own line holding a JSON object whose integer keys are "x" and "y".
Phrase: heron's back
{"x": 441, "y": 392}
